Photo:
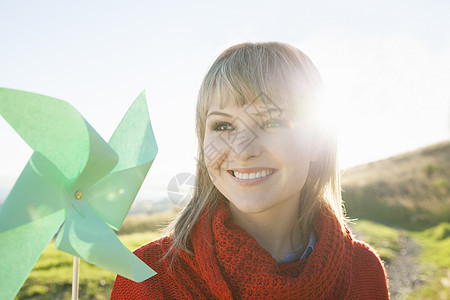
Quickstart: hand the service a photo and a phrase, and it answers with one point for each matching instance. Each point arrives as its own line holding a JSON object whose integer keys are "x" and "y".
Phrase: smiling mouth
{"x": 252, "y": 175}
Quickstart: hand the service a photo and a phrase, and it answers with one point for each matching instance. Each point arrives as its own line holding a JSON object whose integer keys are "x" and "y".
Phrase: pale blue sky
{"x": 386, "y": 65}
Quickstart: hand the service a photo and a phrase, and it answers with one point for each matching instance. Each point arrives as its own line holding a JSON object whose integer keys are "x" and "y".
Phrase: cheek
{"x": 297, "y": 157}
{"x": 215, "y": 151}
{"x": 302, "y": 144}
{"x": 301, "y": 164}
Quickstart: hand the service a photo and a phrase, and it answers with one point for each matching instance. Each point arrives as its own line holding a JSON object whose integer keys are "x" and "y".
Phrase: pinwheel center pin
{"x": 78, "y": 195}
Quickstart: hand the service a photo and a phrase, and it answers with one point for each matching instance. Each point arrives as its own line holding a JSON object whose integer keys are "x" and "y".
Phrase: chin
{"x": 251, "y": 206}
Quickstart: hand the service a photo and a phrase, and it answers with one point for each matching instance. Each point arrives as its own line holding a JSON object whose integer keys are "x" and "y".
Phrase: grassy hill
{"x": 411, "y": 190}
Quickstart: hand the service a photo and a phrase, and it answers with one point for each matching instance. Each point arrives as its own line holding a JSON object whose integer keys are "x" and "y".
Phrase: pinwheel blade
{"x": 49, "y": 126}
{"x": 86, "y": 236}
{"x": 20, "y": 249}
{"x": 55, "y": 129}
{"x": 40, "y": 191}
{"x": 133, "y": 140}
{"x": 102, "y": 159}
{"x": 135, "y": 143}
{"x": 113, "y": 196}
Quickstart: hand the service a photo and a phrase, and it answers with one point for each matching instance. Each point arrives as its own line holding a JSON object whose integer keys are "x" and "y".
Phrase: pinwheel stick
{"x": 75, "y": 278}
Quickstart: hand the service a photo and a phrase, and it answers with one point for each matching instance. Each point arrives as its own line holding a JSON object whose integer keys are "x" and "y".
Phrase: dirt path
{"x": 403, "y": 271}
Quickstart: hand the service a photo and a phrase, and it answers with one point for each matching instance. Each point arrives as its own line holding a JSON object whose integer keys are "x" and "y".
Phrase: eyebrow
{"x": 218, "y": 113}
{"x": 271, "y": 110}
{"x": 268, "y": 110}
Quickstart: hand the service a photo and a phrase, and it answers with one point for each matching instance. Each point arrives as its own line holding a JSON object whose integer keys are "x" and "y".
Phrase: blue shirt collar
{"x": 297, "y": 255}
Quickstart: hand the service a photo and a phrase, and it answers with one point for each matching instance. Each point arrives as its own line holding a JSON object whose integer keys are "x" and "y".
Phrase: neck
{"x": 275, "y": 229}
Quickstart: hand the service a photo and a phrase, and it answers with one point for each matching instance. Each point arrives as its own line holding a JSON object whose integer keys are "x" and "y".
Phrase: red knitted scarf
{"x": 237, "y": 265}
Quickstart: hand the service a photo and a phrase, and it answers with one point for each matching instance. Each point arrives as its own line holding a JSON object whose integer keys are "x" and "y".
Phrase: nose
{"x": 245, "y": 144}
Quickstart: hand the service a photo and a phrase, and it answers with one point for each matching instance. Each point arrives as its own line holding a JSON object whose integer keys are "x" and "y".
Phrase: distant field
{"x": 410, "y": 191}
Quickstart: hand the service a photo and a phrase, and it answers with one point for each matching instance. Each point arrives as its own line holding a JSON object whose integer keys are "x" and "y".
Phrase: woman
{"x": 266, "y": 219}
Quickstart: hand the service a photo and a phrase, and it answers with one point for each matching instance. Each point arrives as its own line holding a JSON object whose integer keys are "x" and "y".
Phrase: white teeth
{"x": 258, "y": 174}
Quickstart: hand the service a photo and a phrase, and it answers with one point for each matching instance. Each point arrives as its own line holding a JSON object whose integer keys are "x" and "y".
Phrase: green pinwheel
{"x": 75, "y": 184}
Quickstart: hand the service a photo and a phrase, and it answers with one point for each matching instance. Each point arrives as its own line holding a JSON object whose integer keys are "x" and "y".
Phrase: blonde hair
{"x": 278, "y": 71}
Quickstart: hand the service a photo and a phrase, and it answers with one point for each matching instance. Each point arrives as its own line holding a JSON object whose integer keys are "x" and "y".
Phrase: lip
{"x": 247, "y": 182}
{"x": 250, "y": 170}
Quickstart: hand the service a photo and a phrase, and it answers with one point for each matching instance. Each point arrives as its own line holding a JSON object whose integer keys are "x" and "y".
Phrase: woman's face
{"x": 257, "y": 156}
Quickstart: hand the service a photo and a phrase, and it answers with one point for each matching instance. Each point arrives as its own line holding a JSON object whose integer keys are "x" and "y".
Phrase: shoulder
{"x": 369, "y": 278}
{"x": 365, "y": 255}
{"x": 153, "y": 255}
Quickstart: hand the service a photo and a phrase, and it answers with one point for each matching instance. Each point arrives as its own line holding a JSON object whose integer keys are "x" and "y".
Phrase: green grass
{"x": 435, "y": 261}
{"x": 434, "y": 257}
{"x": 146, "y": 222}
{"x": 382, "y": 238}
{"x": 51, "y": 278}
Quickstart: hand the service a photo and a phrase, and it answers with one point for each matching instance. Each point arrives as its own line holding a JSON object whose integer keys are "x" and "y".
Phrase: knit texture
{"x": 232, "y": 265}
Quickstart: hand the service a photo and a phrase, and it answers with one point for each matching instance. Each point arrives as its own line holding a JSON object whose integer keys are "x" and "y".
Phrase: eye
{"x": 222, "y": 126}
{"x": 274, "y": 123}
